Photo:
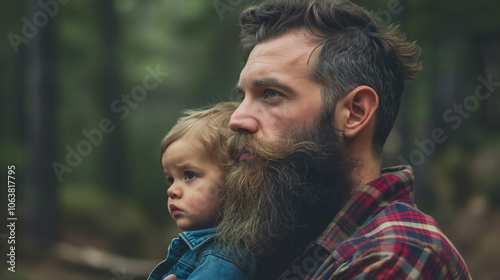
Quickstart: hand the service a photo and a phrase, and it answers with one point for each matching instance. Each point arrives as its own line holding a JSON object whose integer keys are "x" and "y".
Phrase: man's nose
{"x": 244, "y": 118}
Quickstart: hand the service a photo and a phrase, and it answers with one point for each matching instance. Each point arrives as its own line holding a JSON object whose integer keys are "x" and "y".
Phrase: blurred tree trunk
{"x": 114, "y": 144}
{"x": 19, "y": 97}
{"x": 42, "y": 133}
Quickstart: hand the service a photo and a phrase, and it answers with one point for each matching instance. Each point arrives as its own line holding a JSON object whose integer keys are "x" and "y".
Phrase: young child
{"x": 192, "y": 159}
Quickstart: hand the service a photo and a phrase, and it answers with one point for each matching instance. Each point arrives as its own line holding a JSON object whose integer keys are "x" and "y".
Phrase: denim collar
{"x": 195, "y": 239}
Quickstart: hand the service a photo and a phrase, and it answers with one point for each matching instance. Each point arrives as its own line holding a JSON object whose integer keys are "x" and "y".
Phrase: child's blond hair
{"x": 206, "y": 127}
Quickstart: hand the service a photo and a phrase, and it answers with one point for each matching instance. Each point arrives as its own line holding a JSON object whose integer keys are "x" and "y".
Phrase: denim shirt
{"x": 193, "y": 255}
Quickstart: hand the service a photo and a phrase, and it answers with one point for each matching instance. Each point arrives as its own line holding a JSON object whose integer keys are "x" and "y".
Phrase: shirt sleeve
{"x": 212, "y": 267}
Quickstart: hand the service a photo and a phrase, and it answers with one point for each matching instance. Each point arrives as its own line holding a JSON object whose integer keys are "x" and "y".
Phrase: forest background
{"x": 89, "y": 89}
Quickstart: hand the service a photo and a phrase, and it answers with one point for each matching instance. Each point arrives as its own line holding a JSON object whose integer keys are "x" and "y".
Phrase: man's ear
{"x": 356, "y": 111}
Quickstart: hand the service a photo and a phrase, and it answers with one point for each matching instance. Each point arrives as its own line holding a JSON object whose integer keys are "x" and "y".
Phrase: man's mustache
{"x": 268, "y": 151}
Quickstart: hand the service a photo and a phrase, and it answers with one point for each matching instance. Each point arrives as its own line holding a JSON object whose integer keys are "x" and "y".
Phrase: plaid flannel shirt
{"x": 380, "y": 234}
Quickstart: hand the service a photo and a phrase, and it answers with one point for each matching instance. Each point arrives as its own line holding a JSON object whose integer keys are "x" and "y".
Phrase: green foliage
{"x": 191, "y": 41}
{"x": 101, "y": 217}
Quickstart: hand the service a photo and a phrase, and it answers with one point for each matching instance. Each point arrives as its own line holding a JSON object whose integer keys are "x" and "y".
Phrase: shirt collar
{"x": 196, "y": 238}
{"x": 395, "y": 184}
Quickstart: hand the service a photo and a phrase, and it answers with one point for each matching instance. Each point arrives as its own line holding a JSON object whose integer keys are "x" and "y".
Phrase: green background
{"x": 66, "y": 70}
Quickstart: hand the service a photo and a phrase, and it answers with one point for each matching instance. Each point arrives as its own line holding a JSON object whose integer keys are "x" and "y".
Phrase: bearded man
{"x": 320, "y": 93}
{"x": 305, "y": 194}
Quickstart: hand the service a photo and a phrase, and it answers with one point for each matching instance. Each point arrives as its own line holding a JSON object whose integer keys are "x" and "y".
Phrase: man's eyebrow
{"x": 269, "y": 82}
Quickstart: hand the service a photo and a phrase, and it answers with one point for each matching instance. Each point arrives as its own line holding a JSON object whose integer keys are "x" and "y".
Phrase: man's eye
{"x": 189, "y": 175}
{"x": 272, "y": 93}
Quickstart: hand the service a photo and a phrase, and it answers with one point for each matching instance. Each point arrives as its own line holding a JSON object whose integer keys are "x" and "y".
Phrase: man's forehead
{"x": 290, "y": 53}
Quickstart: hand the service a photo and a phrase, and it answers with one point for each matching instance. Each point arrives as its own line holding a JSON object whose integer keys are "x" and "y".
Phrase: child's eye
{"x": 189, "y": 175}
{"x": 170, "y": 180}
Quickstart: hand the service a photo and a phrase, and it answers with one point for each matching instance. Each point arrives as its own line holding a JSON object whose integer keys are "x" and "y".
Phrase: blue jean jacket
{"x": 193, "y": 256}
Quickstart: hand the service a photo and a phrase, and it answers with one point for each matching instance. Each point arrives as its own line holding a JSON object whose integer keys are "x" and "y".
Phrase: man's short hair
{"x": 355, "y": 50}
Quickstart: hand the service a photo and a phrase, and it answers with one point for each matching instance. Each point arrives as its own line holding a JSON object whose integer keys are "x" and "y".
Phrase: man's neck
{"x": 367, "y": 168}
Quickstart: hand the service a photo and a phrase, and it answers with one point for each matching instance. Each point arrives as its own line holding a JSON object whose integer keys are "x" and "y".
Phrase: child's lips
{"x": 174, "y": 210}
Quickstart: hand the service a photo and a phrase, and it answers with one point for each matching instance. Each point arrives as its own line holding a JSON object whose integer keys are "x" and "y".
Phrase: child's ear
{"x": 356, "y": 110}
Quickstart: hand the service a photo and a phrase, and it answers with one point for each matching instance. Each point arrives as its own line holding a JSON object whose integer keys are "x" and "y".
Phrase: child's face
{"x": 196, "y": 190}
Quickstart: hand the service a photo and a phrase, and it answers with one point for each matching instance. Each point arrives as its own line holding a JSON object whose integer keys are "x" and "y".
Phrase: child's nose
{"x": 174, "y": 191}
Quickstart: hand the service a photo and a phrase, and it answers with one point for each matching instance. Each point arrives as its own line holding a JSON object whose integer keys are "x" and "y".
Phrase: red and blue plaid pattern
{"x": 380, "y": 234}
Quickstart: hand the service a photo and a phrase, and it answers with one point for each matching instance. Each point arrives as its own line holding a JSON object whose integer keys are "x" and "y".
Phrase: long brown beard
{"x": 287, "y": 195}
